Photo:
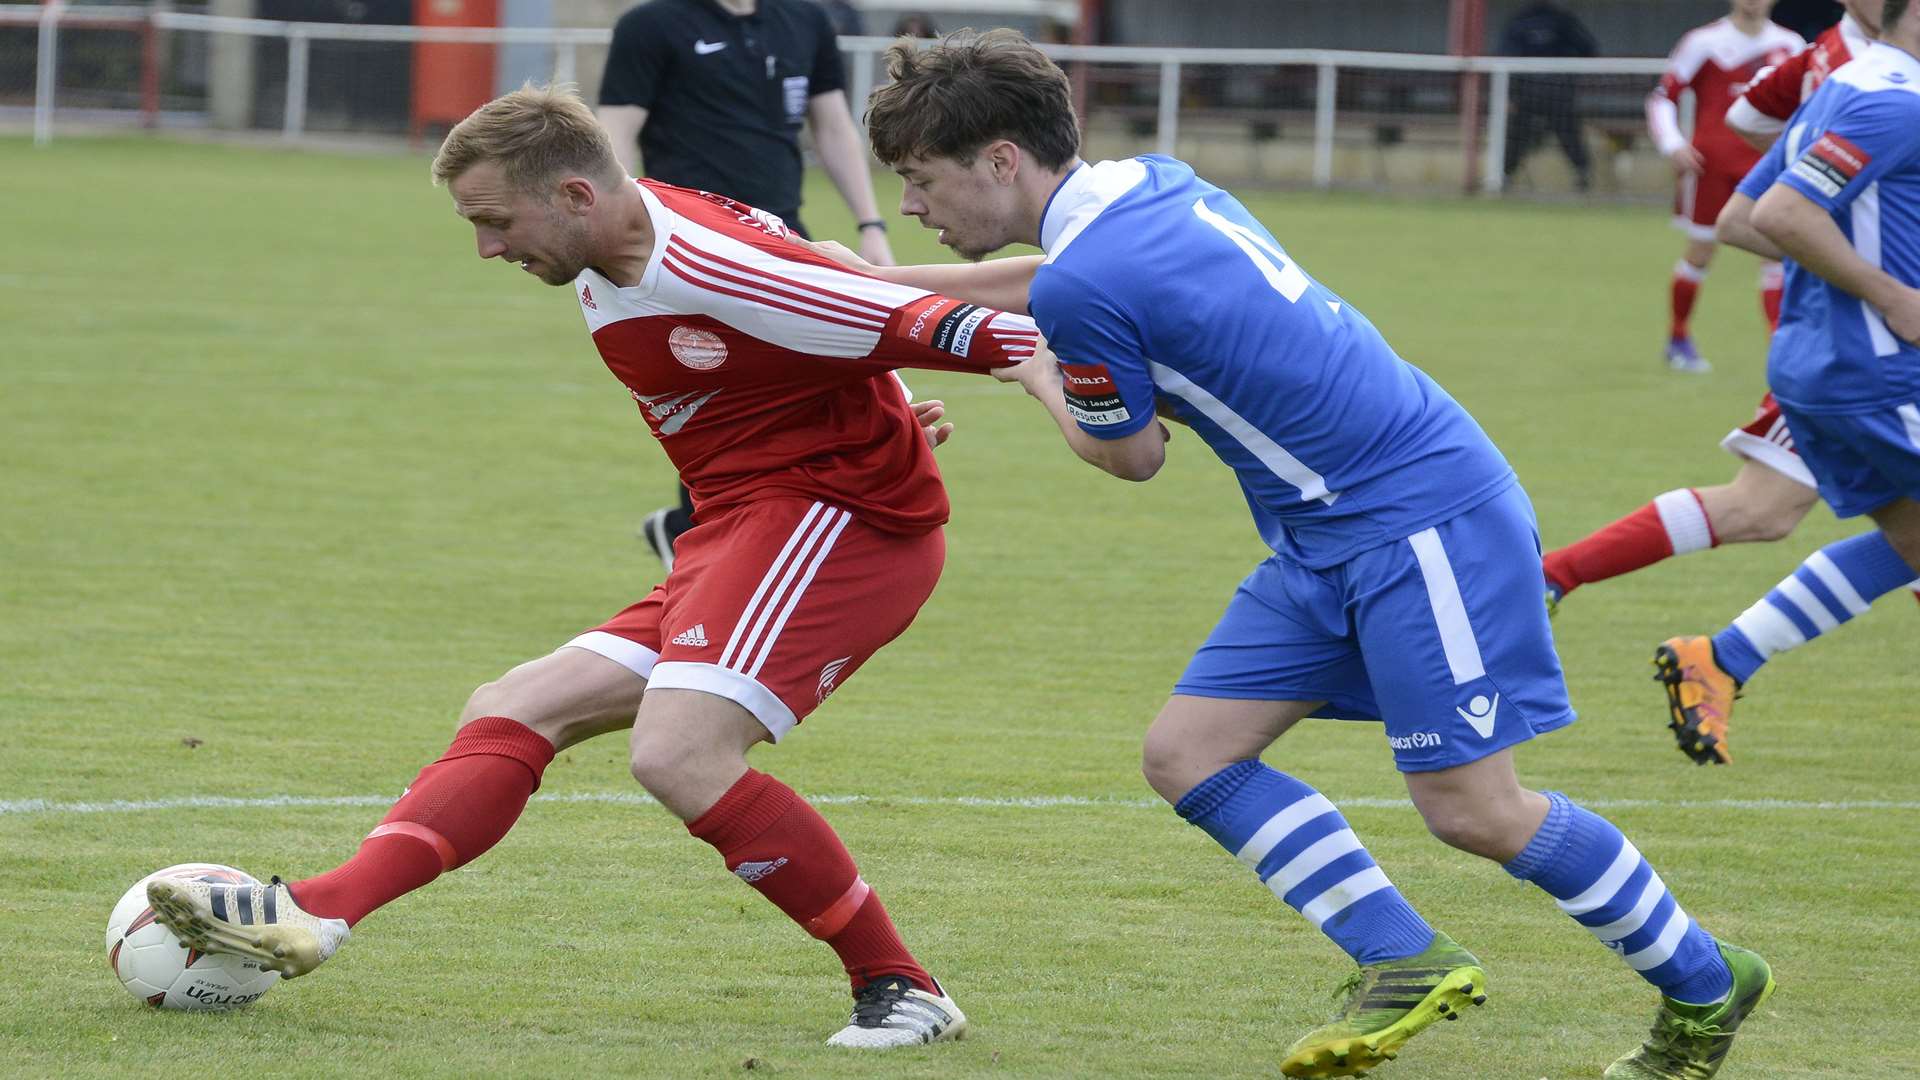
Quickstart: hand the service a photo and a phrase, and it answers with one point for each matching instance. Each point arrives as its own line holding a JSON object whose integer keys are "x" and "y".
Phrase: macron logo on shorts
{"x": 1481, "y": 713}
{"x": 695, "y": 635}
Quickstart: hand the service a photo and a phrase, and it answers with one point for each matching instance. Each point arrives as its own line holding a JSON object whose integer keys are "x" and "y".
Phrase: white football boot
{"x": 260, "y": 922}
{"x": 893, "y": 1012}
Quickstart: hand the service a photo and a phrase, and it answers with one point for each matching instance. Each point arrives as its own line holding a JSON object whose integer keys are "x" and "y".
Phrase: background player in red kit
{"x": 765, "y": 370}
{"x": 1714, "y": 62}
{"x": 1772, "y": 491}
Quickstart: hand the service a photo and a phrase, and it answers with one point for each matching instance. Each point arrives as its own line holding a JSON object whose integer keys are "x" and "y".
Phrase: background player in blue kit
{"x": 1840, "y": 194}
{"x": 1405, "y": 582}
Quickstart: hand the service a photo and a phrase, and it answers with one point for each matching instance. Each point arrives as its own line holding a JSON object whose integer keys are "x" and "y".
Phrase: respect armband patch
{"x": 1831, "y": 163}
{"x": 1092, "y": 396}
{"x": 943, "y": 323}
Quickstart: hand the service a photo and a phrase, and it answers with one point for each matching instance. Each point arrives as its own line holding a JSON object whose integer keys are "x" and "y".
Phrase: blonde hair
{"x": 536, "y": 133}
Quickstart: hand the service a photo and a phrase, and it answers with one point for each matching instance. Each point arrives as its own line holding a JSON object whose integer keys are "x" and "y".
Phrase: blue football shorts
{"x": 1862, "y": 461}
{"x": 1442, "y": 635}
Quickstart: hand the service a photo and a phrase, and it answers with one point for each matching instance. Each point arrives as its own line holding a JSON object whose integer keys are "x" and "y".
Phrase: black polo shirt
{"x": 725, "y": 95}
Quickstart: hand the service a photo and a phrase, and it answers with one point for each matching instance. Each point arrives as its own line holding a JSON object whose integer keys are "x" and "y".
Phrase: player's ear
{"x": 578, "y": 194}
{"x": 1003, "y": 159}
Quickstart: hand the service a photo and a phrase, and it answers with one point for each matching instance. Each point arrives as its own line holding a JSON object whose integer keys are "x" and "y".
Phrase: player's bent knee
{"x": 499, "y": 698}
{"x": 1467, "y": 830}
{"x": 1171, "y": 767}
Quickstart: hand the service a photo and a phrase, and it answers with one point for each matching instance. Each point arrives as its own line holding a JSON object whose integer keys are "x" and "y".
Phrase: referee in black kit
{"x": 714, "y": 93}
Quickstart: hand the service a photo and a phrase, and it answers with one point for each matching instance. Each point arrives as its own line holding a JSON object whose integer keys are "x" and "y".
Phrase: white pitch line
{"x": 1008, "y": 802}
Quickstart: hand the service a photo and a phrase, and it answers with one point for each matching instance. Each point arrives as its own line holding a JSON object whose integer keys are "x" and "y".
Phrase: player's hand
{"x": 1687, "y": 161}
{"x": 838, "y": 252}
{"x": 1033, "y": 372}
{"x": 1903, "y": 316}
{"x": 874, "y": 248}
{"x": 929, "y": 413}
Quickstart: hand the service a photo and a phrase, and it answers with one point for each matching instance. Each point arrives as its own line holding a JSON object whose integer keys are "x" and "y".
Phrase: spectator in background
{"x": 916, "y": 26}
{"x": 713, "y": 93}
{"x": 1546, "y": 103}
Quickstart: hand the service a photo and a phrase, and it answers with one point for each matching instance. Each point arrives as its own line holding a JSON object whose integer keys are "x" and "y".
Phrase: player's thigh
{"x": 781, "y": 602}
{"x": 1862, "y": 461}
{"x": 1711, "y": 191}
{"x": 569, "y": 695}
{"x": 1284, "y": 637}
{"x": 1455, "y": 637}
{"x": 688, "y": 747}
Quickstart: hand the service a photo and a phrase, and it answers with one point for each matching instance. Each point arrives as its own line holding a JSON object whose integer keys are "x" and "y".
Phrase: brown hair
{"x": 536, "y": 133}
{"x": 951, "y": 99}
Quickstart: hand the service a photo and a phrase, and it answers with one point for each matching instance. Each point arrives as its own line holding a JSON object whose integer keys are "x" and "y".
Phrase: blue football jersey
{"x": 1802, "y": 335}
{"x": 1857, "y": 156}
{"x": 1160, "y": 291}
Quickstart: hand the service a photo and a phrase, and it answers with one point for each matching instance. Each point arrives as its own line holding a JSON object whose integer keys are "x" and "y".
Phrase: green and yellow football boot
{"x": 1689, "y": 1042}
{"x": 1384, "y": 1005}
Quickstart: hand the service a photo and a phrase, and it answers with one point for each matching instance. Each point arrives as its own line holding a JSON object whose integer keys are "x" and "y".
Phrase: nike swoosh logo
{"x": 708, "y": 48}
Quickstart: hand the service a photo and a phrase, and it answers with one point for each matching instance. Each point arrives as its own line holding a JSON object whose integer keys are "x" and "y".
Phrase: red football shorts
{"x": 1766, "y": 440}
{"x": 1698, "y": 199}
{"x": 773, "y": 605}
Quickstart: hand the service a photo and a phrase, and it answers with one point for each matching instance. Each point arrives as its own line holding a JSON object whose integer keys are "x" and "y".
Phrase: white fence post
{"x": 1168, "y": 126}
{"x": 294, "y": 123}
{"x": 566, "y": 62}
{"x": 1493, "y": 168}
{"x": 1326, "y": 88}
{"x": 44, "y": 68}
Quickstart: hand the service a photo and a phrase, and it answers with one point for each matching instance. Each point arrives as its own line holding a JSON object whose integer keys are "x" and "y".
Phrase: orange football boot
{"x": 1699, "y": 698}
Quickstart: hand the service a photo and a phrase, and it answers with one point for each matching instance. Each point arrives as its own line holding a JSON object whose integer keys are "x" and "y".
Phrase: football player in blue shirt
{"x": 1839, "y": 193}
{"x": 1405, "y": 580}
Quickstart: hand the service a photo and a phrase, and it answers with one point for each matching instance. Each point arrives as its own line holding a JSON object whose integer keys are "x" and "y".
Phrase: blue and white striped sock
{"x": 1304, "y": 851}
{"x": 1833, "y": 585}
{"x": 1585, "y": 863}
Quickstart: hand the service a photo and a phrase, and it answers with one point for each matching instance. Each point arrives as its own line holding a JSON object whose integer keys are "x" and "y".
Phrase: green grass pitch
{"x": 285, "y": 471}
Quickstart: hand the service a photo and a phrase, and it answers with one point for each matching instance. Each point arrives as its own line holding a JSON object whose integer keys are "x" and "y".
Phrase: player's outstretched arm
{"x": 1735, "y": 226}
{"x": 1807, "y": 232}
{"x": 1131, "y": 457}
{"x": 994, "y": 283}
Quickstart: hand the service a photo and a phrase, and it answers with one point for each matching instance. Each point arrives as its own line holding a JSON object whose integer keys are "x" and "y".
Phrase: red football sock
{"x": 1772, "y": 281}
{"x": 781, "y": 846}
{"x": 455, "y": 810}
{"x": 1686, "y": 288}
{"x": 1672, "y": 524}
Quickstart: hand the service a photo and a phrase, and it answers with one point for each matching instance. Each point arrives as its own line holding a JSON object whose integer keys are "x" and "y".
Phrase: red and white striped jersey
{"x": 1715, "y": 62}
{"x": 1777, "y": 91}
{"x": 765, "y": 369}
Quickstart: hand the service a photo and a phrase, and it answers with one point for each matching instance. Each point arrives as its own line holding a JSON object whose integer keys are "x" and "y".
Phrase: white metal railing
{"x": 864, "y": 51}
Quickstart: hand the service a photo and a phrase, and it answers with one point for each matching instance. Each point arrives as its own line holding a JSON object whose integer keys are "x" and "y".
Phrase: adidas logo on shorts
{"x": 696, "y": 635}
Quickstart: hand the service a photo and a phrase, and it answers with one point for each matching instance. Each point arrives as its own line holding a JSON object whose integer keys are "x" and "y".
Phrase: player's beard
{"x": 573, "y": 251}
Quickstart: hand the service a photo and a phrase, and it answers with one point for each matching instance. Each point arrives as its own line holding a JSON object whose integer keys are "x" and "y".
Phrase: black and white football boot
{"x": 892, "y": 1012}
{"x": 259, "y": 922}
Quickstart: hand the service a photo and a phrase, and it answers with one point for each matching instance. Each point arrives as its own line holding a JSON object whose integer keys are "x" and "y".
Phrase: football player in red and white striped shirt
{"x": 1714, "y": 64}
{"x": 765, "y": 370}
